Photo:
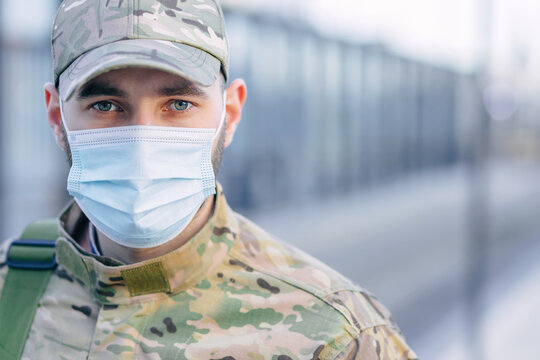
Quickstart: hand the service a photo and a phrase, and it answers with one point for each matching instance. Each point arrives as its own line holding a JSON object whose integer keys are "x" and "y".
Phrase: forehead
{"x": 123, "y": 82}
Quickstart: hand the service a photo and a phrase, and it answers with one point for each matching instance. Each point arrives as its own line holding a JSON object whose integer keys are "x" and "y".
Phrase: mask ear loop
{"x": 223, "y": 116}
{"x": 62, "y": 115}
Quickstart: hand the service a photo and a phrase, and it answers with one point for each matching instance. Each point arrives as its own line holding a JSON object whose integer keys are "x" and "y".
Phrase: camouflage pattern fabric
{"x": 232, "y": 292}
{"x": 190, "y": 34}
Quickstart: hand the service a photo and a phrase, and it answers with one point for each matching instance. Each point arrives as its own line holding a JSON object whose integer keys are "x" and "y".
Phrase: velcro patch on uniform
{"x": 147, "y": 279}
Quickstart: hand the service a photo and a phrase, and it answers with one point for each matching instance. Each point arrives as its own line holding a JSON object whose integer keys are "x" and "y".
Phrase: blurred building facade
{"x": 324, "y": 116}
{"x": 327, "y": 116}
{"x": 32, "y": 167}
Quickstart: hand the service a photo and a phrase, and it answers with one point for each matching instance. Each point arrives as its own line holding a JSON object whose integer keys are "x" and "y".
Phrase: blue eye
{"x": 180, "y": 105}
{"x": 104, "y": 106}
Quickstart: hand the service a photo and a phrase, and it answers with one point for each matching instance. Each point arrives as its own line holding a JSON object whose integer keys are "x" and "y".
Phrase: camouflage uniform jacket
{"x": 231, "y": 292}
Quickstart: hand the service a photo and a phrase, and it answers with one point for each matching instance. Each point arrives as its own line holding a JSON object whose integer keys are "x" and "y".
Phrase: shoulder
{"x": 361, "y": 315}
{"x": 60, "y": 274}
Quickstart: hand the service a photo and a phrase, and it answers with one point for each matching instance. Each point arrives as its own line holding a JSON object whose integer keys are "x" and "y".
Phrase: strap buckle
{"x": 32, "y": 254}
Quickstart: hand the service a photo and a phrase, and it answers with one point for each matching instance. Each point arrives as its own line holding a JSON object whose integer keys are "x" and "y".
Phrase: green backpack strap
{"x": 31, "y": 261}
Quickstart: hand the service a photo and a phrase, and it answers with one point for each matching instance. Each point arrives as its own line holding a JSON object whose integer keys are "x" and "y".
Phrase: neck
{"x": 133, "y": 255}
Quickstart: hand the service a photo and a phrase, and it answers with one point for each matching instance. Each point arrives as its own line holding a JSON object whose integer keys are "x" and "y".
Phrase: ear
{"x": 236, "y": 96}
{"x": 52, "y": 103}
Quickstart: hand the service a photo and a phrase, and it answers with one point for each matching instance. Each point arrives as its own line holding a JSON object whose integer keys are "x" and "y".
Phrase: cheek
{"x": 77, "y": 118}
{"x": 68, "y": 122}
{"x": 212, "y": 120}
{"x": 202, "y": 118}
{"x": 72, "y": 119}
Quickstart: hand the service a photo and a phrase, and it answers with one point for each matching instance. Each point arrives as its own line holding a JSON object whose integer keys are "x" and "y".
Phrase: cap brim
{"x": 187, "y": 61}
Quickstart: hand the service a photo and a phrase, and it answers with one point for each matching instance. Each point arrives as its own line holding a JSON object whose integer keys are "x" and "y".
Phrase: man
{"x": 151, "y": 262}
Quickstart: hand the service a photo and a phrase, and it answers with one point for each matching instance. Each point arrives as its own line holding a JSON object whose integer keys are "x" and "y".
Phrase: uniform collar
{"x": 116, "y": 283}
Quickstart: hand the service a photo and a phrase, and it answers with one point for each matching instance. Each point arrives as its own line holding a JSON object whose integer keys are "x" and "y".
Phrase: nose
{"x": 143, "y": 115}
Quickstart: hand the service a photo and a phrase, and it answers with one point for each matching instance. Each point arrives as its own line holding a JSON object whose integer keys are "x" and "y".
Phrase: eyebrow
{"x": 183, "y": 90}
{"x": 97, "y": 88}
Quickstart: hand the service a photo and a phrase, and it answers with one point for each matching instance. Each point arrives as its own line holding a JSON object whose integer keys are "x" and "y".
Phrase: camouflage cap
{"x": 184, "y": 37}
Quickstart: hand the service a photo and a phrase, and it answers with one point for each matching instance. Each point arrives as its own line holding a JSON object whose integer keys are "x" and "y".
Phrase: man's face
{"x": 139, "y": 96}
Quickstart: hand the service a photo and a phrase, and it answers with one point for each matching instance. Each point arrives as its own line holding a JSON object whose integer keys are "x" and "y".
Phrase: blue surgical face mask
{"x": 142, "y": 185}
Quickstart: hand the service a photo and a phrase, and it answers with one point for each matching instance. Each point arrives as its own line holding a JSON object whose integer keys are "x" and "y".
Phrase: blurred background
{"x": 397, "y": 141}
